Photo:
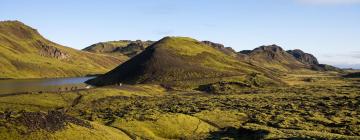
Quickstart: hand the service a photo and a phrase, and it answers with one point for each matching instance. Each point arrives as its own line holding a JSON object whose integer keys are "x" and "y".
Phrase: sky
{"x": 329, "y": 29}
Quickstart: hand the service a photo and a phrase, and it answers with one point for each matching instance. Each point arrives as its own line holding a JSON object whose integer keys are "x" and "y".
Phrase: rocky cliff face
{"x": 51, "y": 51}
{"x": 303, "y": 57}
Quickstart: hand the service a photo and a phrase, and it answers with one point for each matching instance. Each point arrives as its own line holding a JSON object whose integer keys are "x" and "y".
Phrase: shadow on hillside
{"x": 238, "y": 134}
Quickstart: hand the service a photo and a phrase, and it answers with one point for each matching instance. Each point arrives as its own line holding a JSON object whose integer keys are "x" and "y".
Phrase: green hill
{"x": 176, "y": 60}
{"x": 24, "y": 53}
{"x": 119, "y": 48}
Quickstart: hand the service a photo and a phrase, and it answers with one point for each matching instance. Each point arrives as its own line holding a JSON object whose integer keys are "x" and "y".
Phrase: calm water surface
{"x": 37, "y": 85}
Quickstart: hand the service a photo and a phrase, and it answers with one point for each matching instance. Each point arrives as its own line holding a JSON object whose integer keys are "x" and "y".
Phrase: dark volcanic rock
{"x": 303, "y": 57}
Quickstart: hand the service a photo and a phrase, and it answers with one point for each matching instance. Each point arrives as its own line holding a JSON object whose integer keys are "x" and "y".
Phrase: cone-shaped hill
{"x": 175, "y": 59}
{"x": 24, "y": 53}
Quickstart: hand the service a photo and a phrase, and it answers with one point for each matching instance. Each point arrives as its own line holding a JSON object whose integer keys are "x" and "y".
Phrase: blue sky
{"x": 329, "y": 29}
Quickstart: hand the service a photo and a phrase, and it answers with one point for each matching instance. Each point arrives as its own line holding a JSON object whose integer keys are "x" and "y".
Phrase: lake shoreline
{"x": 88, "y": 75}
{"x": 42, "y": 85}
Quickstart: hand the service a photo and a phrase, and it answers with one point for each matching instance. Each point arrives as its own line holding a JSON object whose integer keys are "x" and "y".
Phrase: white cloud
{"x": 329, "y": 2}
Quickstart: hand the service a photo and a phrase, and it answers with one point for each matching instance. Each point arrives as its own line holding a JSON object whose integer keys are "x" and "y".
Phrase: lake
{"x": 44, "y": 85}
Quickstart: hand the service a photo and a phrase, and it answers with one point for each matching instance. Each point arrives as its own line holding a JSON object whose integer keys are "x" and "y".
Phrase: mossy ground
{"x": 324, "y": 107}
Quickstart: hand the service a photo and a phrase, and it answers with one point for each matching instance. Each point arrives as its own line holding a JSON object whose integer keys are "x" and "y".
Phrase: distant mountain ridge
{"x": 275, "y": 57}
{"x": 24, "y": 53}
{"x": 122, "y": 47}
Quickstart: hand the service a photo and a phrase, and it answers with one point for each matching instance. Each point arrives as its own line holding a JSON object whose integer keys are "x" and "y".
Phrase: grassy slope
{"x": 174, "y": 60}
{"x": 20, "y": 47}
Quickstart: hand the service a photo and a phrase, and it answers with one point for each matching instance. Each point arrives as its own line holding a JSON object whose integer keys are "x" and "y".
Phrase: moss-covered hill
{"x": 119, "y": 48}
{"x": 24, "y": 53}
{"x": 275, "y": 58}
{"x": 177, "y": 59}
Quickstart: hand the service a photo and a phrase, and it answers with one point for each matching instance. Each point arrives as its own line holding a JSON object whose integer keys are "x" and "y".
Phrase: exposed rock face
{"x": 303, "y": 57}
{"x": 51, "y": 51}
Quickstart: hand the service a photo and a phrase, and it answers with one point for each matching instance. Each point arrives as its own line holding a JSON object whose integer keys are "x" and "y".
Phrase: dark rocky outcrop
{"x": 51, "y": 51}
{"x": 303, "y": 57}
